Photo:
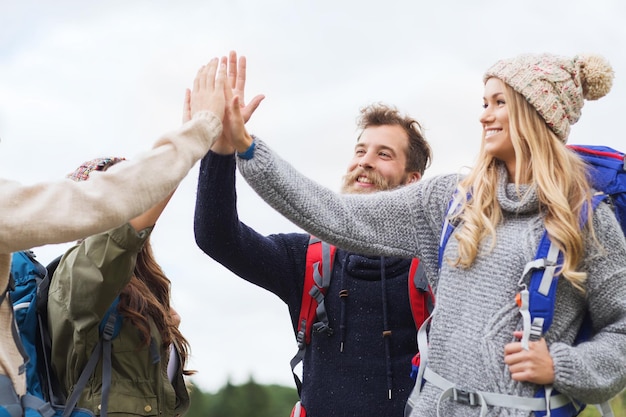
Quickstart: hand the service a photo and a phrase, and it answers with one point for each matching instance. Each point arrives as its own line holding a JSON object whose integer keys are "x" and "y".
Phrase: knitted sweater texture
{"x": 335, "y": 384}
{"x": 34, "y": 215}
{"x": 476, "y": 313}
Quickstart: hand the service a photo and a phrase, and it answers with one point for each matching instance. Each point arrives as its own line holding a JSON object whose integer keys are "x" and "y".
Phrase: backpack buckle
{"x": 320, "y": 327}
{"x": 300, "y": 337}
{"x": 465, "y": 397}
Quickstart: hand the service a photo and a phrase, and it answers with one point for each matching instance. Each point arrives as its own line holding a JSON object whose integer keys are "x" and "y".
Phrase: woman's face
{"x": 495, "y": 121}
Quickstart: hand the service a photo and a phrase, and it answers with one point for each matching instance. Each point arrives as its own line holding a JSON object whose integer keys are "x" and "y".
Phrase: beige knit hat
{"x": 556, "y": 86}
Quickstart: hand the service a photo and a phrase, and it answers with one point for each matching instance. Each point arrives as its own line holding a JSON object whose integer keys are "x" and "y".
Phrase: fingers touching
{"x": 208, "y": 88}
{"x": 219, "y": 86}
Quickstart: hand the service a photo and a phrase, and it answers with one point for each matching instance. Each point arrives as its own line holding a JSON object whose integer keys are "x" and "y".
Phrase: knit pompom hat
{"x": 99, "y": 164}
{"x": 556, "y": 86}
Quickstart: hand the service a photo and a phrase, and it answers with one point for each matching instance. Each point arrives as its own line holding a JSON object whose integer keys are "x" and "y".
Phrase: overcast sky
{"x": 81, "y": 79}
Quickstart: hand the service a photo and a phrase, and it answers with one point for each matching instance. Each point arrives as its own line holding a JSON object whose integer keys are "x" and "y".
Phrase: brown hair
{"x": 148, "y": 295}
{"x": 419, "y": 154}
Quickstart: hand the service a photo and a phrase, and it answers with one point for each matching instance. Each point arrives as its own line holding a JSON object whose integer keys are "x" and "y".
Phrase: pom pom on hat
{"x": 99, "y": 164}
{"x": 556, "y": 86}
{"x": 597, "y": 76}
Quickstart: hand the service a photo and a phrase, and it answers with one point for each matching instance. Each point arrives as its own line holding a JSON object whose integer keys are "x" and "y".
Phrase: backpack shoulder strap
{"x": 454, "y": 207}
{"x": 420, "y": 294}
{"x": 537, "y": 302}
{"x": 537, "y": 305}
{"x": 109, "y": 329}
{"x": 317, "y": 274}
{"x": 319, "y": 260}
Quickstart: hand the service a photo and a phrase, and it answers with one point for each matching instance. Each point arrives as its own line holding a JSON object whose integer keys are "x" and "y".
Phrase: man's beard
{"x": 378, "y": 182}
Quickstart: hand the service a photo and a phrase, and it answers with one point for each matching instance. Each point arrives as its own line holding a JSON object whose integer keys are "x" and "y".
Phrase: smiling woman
{"x": 495, "y": 121}
{"x": 506, "y": 359}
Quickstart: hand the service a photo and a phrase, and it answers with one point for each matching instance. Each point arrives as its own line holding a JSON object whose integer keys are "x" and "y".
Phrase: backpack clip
{"x": 465, "y": 397}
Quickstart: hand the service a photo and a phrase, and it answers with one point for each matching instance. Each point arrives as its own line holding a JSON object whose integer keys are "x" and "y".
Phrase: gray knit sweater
{"x": 476, "y": 312}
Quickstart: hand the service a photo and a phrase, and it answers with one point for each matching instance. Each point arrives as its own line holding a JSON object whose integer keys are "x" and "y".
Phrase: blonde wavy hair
{"x": 542, "y": 160}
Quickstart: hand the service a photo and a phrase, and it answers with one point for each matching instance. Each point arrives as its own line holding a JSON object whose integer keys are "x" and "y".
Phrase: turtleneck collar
{"x": 520, "y": 199}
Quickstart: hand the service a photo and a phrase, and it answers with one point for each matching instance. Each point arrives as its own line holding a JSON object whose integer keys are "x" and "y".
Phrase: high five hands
{"x": 208, "y": 91}
{"x": 235, "y": 113}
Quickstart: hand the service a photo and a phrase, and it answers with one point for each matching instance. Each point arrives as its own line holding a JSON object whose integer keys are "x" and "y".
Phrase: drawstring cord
{"x": 386, "y": 330}
{"x": 343, "y": 293}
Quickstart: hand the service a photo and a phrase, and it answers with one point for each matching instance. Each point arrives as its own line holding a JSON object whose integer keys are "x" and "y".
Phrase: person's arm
{"x": 149, "y": 217}
{"x": 63, "y": 211}
{"x": 595, "y": 371}
{"x": 218, "y": 231}
{"x": 381, "y": 223}
{"x": 391, "y": 223}
{"x": 273, "y": 262}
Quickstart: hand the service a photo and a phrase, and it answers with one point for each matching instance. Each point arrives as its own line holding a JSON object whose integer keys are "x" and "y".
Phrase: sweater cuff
{"x": 565, "y": 370}
{"x": 263, "y": 160}
{"x": 249, "y": 153}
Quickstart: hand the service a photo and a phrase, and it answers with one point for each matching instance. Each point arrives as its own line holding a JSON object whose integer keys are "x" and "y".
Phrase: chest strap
{"x": 484, "y": 399}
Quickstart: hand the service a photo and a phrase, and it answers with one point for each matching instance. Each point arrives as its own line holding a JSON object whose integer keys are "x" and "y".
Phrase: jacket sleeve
{"x": 595, "y": 371}
{"x": 91, "y": 274}
{"x": 89, "y": 277}
{"x": 62, "y": 211}
{"x": 272, "y": 262}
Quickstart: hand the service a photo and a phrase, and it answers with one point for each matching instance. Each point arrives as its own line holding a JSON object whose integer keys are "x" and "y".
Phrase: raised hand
{"x": 208, "y": 89}
{"x": 238, "y": 137}
{"x": 236, "y": 85}
{"x": 237, "y": 81}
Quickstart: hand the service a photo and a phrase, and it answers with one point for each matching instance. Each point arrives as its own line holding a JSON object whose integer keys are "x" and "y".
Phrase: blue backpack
{"x": 28, "y": 292}
{"x": 607, "y": 175}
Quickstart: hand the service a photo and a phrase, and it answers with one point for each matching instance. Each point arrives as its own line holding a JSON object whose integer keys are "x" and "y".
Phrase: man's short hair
{"x": 419, "y": 153}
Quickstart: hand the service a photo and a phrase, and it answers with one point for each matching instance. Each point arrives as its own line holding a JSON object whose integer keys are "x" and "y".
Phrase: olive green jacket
{"x": 88, "y": 279}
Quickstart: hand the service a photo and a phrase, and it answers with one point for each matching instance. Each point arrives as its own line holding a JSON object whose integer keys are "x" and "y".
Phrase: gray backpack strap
{"x": 605, "y": 409}
{"x": 102, "y": 349}
{"x": 44, "y": 408}
{"x": 315, "y": 283}
{"x": 322, "y": 281}
{"x": 422, "y": 344}
{"x": 16, "y": 334}
{"x": 18, "y": 343}
{"x": 9, "y": 400}
{"x": 482, "y": 399}
{"x": 107, "y": 336}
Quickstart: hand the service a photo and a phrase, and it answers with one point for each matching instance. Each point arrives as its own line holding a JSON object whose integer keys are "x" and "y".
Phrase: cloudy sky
{"x": 82, "y": 79}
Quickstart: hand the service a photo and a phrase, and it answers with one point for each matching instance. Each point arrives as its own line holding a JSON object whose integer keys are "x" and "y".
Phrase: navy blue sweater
{"x": 335, "y": 384}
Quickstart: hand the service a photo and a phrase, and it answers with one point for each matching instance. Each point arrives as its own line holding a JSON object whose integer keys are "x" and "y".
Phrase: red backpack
{"x": 319, "y": 266}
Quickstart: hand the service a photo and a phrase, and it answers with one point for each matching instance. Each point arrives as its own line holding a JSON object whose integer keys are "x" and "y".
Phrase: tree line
{"x": 252, "y": 399}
